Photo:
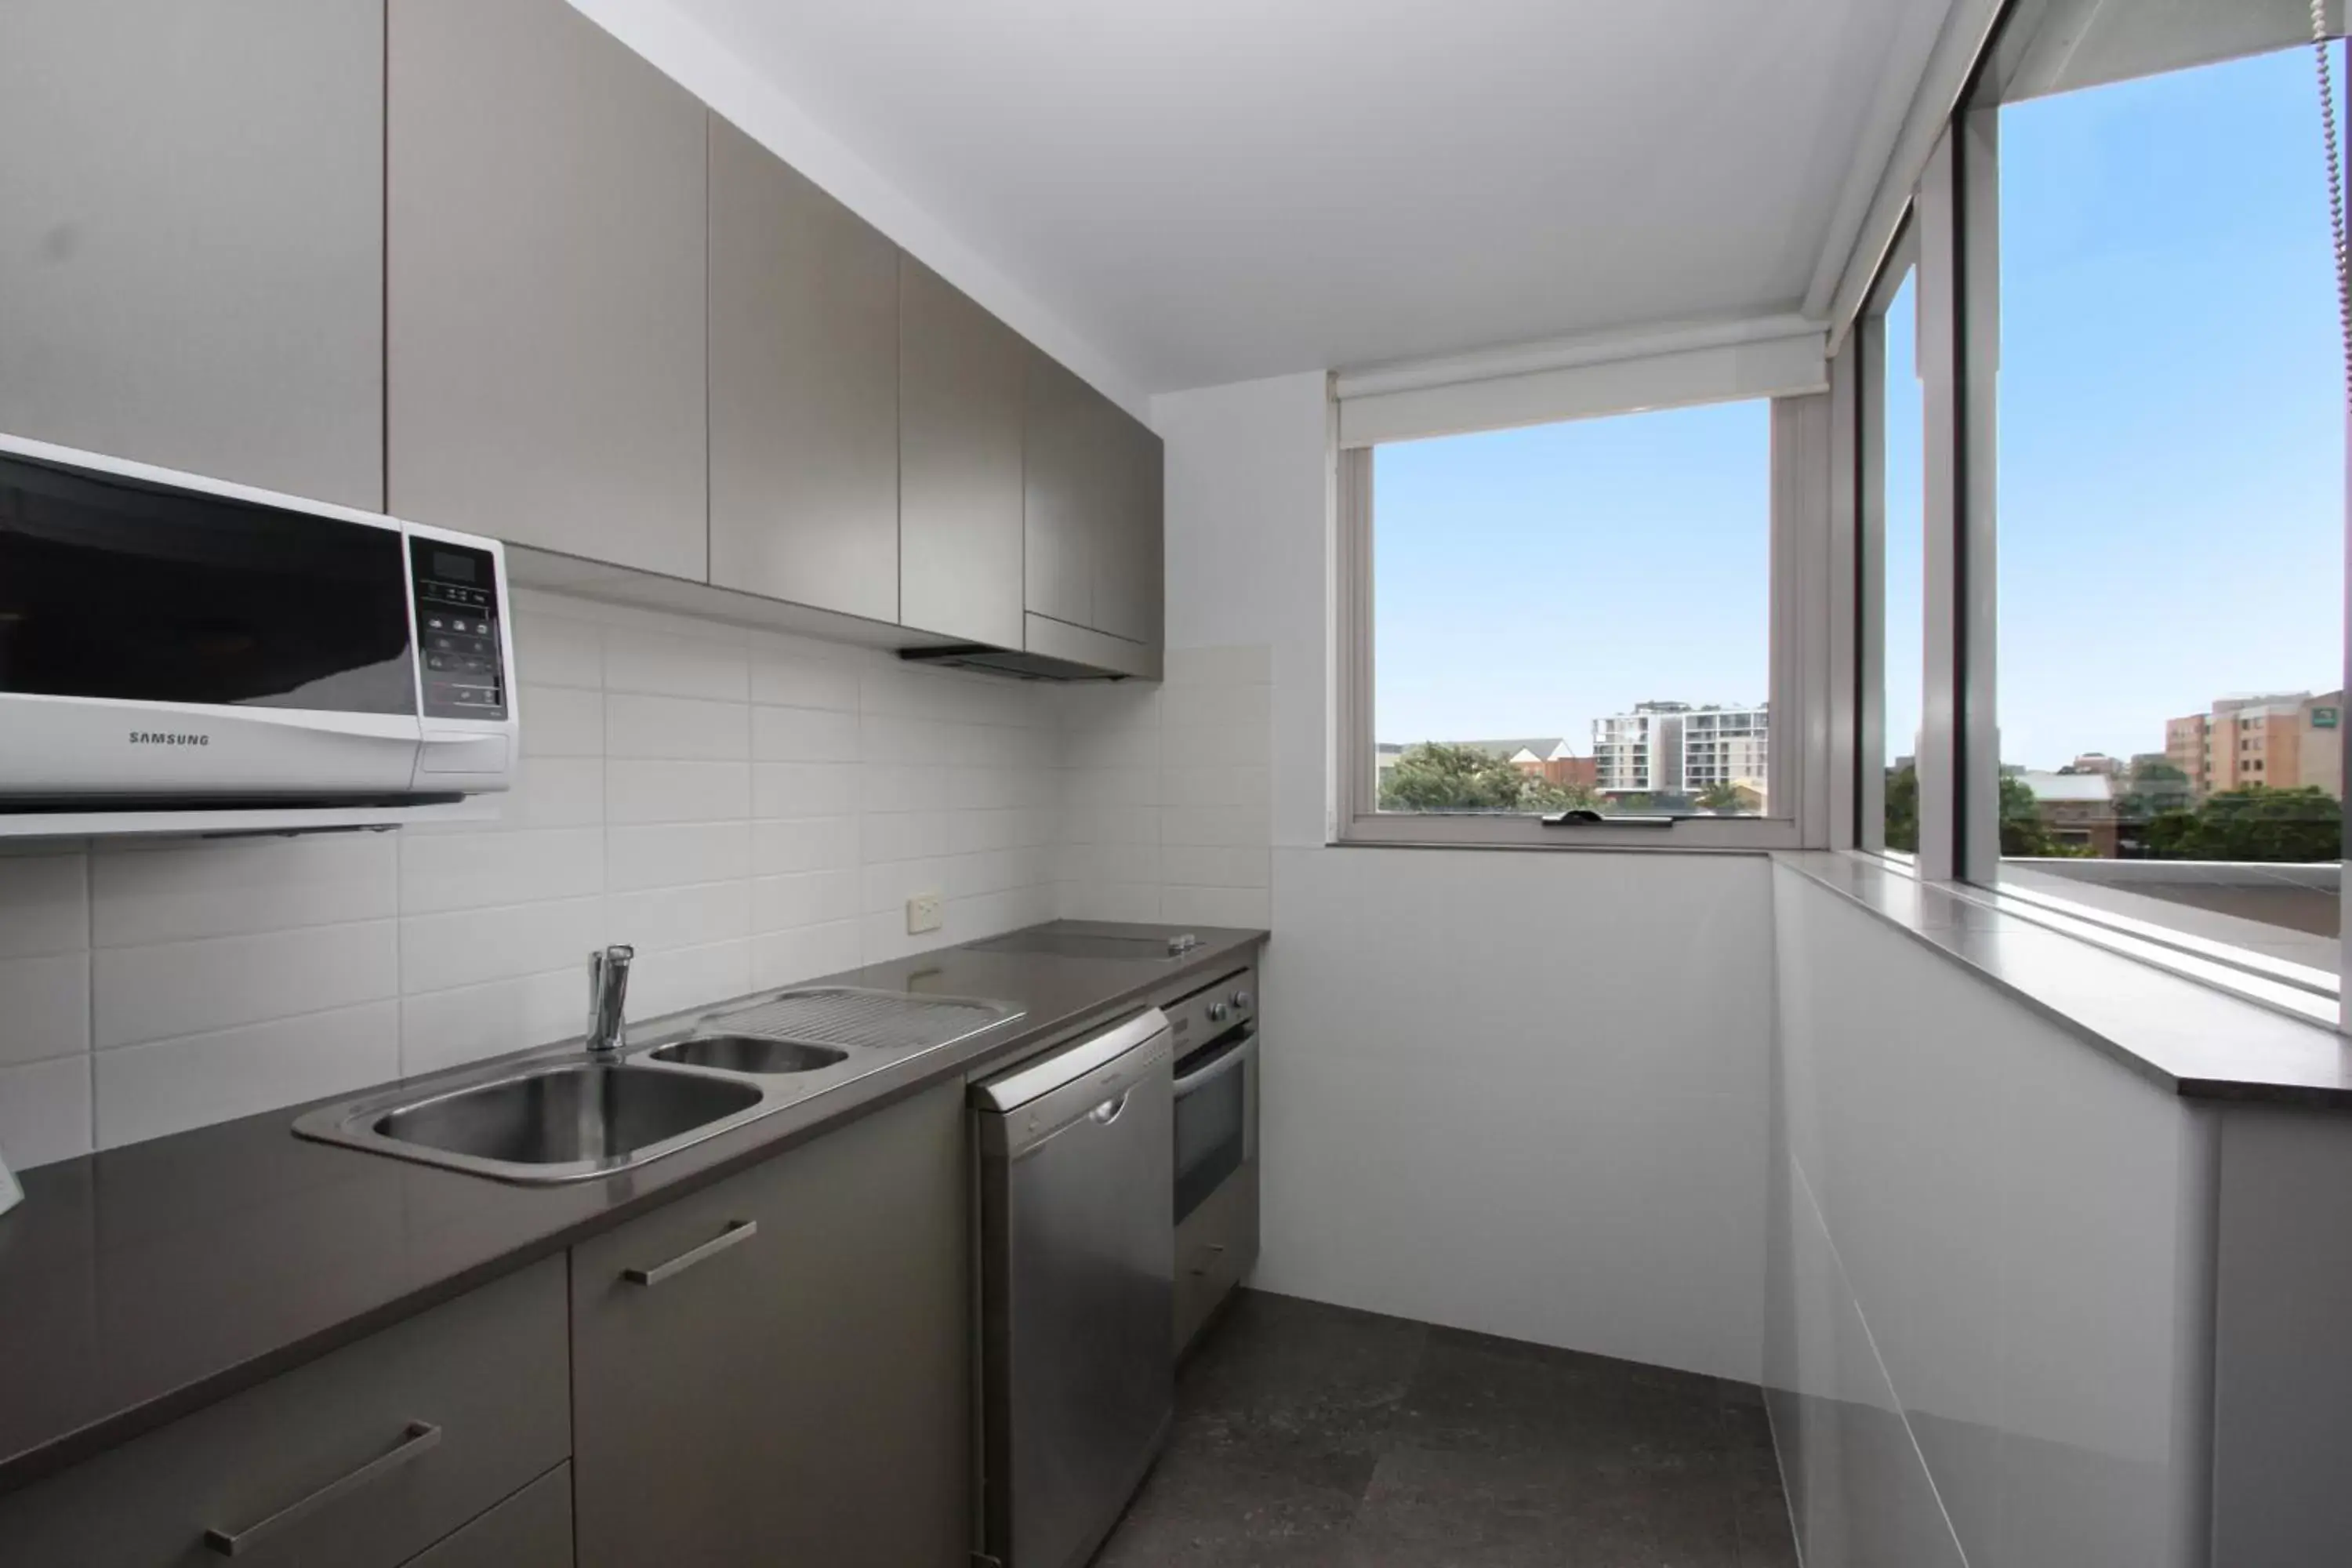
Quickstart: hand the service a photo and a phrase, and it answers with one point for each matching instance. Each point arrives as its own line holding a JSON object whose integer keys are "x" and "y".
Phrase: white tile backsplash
{"x": 170, "y": 1085}
{"x": 145, "y": 894}
{"x": 748, "y": 808}
{"x": 141, "y": 993}
{"x": 43, "y": 1007}
{"x": 43, "y": 904}
{"x": 45, "y": 1111}
{"x": 1167, "y": 795}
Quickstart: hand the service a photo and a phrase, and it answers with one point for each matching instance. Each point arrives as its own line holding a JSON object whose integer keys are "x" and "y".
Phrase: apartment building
{"x": 1640, "y": 753}
{"x": 1682, "y": 748}
{"x": 2283, "y": 739}
{"x": 1726, "y": 745}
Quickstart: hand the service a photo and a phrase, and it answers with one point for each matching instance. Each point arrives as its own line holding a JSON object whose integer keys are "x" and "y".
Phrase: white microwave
{"x": 170, "y": 641}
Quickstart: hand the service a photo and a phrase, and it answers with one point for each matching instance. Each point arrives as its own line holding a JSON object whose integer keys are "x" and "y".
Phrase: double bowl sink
{"x": 560, "y": 1115}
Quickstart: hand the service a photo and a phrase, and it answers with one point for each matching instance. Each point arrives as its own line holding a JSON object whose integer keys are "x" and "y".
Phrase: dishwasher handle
{"x": 1018, "y": 1088}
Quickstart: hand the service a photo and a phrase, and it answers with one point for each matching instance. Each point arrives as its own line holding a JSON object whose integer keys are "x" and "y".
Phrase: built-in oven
{"x": 1216, "y": 1034}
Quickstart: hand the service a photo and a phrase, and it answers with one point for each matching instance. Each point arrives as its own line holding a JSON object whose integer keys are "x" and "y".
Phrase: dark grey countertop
{"x": 144, "y": 1282}
{"x": 2193, "y": 1039}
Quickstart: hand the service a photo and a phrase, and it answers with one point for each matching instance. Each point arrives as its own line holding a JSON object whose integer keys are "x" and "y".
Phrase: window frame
{"x": 1860, "y": 370}
{"x": 1953, "y": 221}
{"x": 1802, "y": 608}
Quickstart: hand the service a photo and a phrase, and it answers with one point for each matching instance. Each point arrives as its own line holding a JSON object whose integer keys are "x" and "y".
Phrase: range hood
{"x": 1014, "y": 662}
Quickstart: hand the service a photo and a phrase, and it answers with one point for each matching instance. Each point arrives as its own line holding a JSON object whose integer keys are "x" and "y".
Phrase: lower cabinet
{"x": 776, "y": 1369}
{"x": 531, "y": 1528}
{"x": 363, "y": 1458}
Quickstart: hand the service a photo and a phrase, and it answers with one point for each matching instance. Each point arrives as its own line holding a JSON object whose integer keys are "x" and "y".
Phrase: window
{"x": 1590, "y": 597}
{"x": 2170, "y": 482}
{"x": 1566, "y": 632}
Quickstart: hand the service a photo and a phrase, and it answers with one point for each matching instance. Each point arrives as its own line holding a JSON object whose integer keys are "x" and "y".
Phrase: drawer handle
{"x": 420, "y": 1437}
{"x": 737, "y": 1231}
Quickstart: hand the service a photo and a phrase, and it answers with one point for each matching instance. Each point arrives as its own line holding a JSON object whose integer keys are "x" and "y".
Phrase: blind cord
{"x": 2335, "y": 183}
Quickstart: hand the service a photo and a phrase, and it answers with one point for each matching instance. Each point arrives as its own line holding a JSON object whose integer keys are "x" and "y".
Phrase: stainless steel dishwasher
{"x": 1077, "y": 1157}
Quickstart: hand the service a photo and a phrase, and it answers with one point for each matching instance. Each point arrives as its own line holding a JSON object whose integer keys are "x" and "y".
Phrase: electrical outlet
{"x": 923, "y": 913}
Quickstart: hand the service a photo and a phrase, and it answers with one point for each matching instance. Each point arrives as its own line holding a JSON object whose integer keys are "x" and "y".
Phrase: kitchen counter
{"x": 145, "y": 1282}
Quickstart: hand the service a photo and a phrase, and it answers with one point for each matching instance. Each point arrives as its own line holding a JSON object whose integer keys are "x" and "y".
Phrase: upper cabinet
{"x": 1127, "y": 564}
{"x": 803, "y": 389}
{"x": 960, "y": 378}
{"x": 191, "y": 237}
{"x": 1093, "y": 523}
{"x": 545, "y": 256}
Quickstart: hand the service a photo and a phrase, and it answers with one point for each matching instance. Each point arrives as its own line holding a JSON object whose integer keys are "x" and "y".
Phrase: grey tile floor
{"x": 1313, "y": 1436}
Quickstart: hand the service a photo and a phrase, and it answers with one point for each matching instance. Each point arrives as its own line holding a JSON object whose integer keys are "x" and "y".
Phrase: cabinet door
{"x": 803, "y": 389}
{"x": 545, "y": 247}
{"x": 1127, "y": 569}
{"x": 361, "y": 1459}
{"x": 960, "y": 374}
{"x": 1072, "y": 482}
{"x": 191, "y": 237}
{"x": 801, "y": 1393}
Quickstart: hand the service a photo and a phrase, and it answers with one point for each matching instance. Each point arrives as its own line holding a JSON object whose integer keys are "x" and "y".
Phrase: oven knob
{"x": 1218, "y": 1012}
{"x": 1242, "y": 1000}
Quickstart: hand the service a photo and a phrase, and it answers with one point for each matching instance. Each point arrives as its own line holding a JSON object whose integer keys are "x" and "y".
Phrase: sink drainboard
{"x": 877, "y": 1020}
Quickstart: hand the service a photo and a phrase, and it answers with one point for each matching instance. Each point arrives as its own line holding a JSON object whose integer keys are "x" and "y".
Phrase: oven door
{"x": 1216, "y": 1117}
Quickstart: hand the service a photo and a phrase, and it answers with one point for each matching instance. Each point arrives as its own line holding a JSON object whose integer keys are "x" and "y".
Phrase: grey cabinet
{"x": 800, "y": 1392}
{"x": 531, "y": 1528}
{"x": 803, "y": 389}
{"x": 1072, "y": 482}
{"x": 1093, "y": 524}
{"x": 544, "y": 303}
{"x": 962, "y": 375}
{"x": 361, "y": 1459}
{"x": 1128, "y": 561}
{"x": 191, "y": 236}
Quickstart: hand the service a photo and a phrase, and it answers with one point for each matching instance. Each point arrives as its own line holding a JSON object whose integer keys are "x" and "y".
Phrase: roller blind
{"x": 1717, "y": 364}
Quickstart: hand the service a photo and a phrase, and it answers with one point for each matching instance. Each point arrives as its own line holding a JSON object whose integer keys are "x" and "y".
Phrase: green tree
{"x": 1434, "y": 776}
{"x": 2153, "y": 787}
{"x": 1543, "y": 795}
{"x": 2253, "y": 824}
{"x": 1723, "y": 795}
{"x": 2023, "y": 830}
{"x": 1903, "y": 809}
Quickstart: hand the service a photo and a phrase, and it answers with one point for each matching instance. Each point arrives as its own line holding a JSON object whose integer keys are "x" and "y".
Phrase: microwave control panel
{"x": 457, "y": 629}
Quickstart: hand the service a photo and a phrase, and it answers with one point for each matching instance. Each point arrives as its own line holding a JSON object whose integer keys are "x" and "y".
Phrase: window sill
{"x": 2198, "y": 1029}
{"x": 1411, "y": 830}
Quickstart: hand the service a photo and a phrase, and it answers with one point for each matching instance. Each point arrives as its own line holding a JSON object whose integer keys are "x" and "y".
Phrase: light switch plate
{"x": 923, "y": 913}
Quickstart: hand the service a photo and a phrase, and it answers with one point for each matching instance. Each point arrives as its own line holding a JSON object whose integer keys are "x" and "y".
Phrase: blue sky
{"x": 2170, "y": 484}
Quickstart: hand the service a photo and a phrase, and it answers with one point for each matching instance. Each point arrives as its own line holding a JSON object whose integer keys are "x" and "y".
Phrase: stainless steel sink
{"x": 558, "y": 1115}
{"x": 755, "y": 1054}
{"x": 562, "y": 1115}
{"x": 544, "y": 1120}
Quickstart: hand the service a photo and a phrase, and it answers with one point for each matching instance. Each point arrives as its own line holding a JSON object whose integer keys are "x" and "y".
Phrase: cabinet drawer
{"x": 1215, "y": 1246}
{"x": 361, "y": 1459}
{"x": 531, "y": 1528}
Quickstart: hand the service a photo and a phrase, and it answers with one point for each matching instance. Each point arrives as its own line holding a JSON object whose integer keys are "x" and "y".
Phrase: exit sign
{"x": 2323, "y": 718}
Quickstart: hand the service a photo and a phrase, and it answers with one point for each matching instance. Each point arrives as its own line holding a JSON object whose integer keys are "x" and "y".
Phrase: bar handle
{"x": 1585, "y": 817}
{"x": 738, "y": 1231}
{"x": 420, "y": 1438}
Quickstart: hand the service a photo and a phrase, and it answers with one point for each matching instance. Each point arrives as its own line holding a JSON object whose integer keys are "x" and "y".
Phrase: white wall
{"x": 1987, "y": 1302}
{"x": 1519, "y": 1093}
{"x": 748, "y": 809}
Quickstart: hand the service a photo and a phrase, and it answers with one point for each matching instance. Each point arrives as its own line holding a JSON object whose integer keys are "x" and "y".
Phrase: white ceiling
{"x": 1214, "y": 190}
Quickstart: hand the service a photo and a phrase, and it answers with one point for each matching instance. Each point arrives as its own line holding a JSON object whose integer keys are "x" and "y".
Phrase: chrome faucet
{"x": 608, "y": 995}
